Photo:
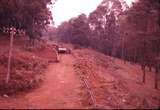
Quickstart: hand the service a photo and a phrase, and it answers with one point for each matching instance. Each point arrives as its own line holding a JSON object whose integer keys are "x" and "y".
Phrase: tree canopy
{"x": 115, "y": 29}
{"x": 30, "y": 15}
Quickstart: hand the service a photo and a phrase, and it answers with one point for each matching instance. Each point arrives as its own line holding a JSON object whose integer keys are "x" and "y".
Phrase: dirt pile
{"x": 113, "y": 84}
{"x": 44, "y": 50}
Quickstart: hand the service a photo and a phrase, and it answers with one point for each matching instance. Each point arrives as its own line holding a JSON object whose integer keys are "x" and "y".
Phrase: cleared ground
{"x": 111, "y": 84}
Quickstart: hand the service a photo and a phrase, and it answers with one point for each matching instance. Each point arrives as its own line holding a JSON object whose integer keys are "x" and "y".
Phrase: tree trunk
{"x": 122, "y": 53}
{"x": 135, "y": 55}
{"x": 144, "y": 73}
{"x": 9, "y": 58}
{"x": 144, "y": 76}
{"x": 156, "y": 78}
{"x": 150, "y": 67}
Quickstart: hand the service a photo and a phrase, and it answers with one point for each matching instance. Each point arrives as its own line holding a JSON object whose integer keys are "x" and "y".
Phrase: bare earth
{"x": 113, "y": 85}
{"x": 59, "y": 90}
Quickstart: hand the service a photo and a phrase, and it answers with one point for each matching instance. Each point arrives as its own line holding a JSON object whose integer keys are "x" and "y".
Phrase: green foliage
{"x": 117, "y": 30}
{"x": 104, "y": 22}
{"x": 141, "y": 24}
{"x": 30, "y": 15}
{"x": 75, "y": 31}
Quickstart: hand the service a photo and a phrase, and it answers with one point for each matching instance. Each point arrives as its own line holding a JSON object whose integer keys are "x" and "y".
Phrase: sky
{"x": 63, "y": 10}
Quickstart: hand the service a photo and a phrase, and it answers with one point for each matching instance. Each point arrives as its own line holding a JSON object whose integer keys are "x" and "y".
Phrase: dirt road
{"x": 113, "y": 85}
{"x": 60, "y": 89}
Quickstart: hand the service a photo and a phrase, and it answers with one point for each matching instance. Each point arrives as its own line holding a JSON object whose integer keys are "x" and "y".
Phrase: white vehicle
{"x": 64, "y": 50}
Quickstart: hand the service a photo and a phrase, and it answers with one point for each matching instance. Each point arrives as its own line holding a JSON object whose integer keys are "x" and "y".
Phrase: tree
{"x": 32, "y": 16}
{"x": 104, "y": 24}
{"x": 76, "y": 30}
{"x": 141, "y": 23}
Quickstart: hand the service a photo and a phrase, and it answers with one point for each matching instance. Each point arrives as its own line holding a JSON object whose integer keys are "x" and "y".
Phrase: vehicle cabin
{"x": 63, "y": 50}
